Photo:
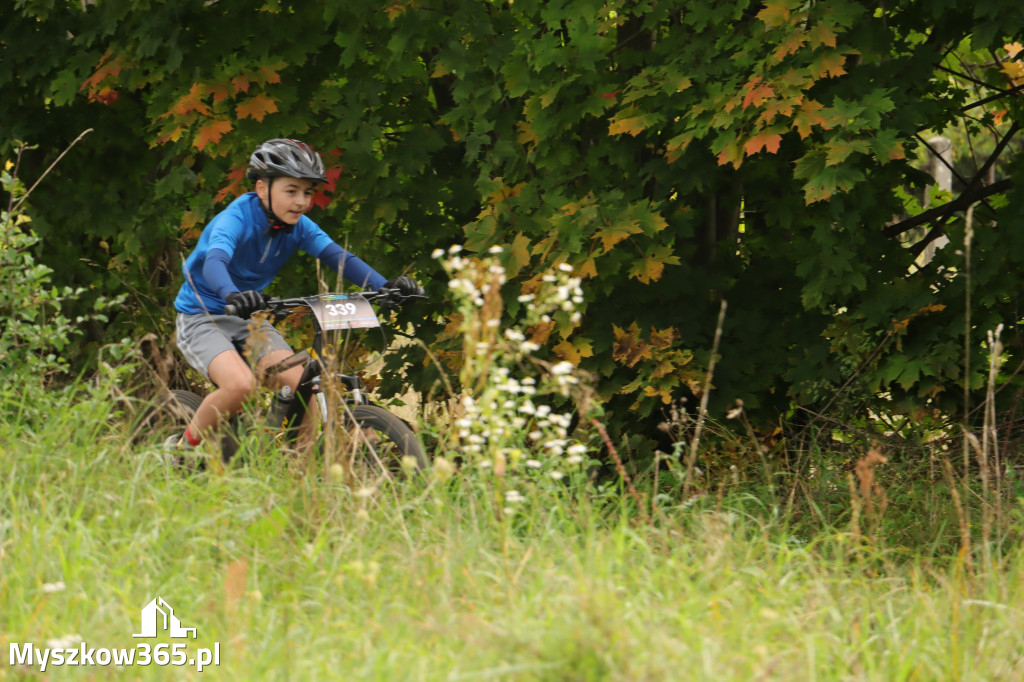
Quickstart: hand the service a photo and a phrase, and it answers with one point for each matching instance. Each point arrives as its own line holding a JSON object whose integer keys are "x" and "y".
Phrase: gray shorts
{"x": 203, "y": 337}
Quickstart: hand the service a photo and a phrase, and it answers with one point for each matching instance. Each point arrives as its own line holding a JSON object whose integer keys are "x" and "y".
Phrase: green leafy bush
{"x": 34, "y": 331}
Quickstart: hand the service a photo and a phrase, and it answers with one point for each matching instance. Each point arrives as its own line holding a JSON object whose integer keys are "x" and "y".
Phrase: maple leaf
{"x": 109, "y": 66}
{"x": 628, "y": 349}
{"x": 172, "y": 134}
{"x": 1012, "y": 49}
{"x": 766, "y": 140}
{"x": 610, "y": 236}
{"x": 574, "y": 351}
{"x": 664, "y": 338}
{"x": 234, "y": 188}
{"x": 789, "y": 46}
{"x": 240, "y": 84}
{"x": 778, "y": 108}
{"x": 256, "y": 107}
{"x": 651, "y": 268}
{"x": 809, "y": 116}
{"x": 211, "y": 133}
{"x": 627, "y": 121}
{"x": 757, "y": 92}
{"x": 838, "y": 149}
{"x": 1013, "y": 70}
{"x": 332, "y": 174}
{"x": 820, "y": 34}
{"x": 219, "y": 91}
{"x": 188, "y": 221}
{"x": 775, "y": 13}
{"x": 588, "y": 270}
{"x": 831, "y": 65}
{"x": 193, "y": 101}
{"x": 732, "y": 153}
{"x": 395, "y": 9}
{"x": 269, "y": 73}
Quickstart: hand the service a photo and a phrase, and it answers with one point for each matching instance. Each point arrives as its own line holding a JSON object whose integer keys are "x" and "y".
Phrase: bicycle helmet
{"x": 283, "y": 157}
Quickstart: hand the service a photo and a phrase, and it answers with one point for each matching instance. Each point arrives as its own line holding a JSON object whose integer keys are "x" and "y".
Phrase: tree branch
{"x": 976, "y": 191}
{"x": 963, "y": 201}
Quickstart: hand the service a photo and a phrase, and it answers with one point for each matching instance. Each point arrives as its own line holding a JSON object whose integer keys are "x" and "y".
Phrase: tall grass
{"x": 297, "y": 577}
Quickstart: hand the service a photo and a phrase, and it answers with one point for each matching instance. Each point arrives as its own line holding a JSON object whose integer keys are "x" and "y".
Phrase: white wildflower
{"x": 495, "y": 250}
{"x": 565, "y": 267}
{"x": 563, "y": 367}
{"x": 533, "y": 464}
{"x": 53, "y": 588}
{"x": 557, "y": 475}
{"x": 513, "y": 496}
{"x": 454, "y": 248}
{"x": 437, "y": 253}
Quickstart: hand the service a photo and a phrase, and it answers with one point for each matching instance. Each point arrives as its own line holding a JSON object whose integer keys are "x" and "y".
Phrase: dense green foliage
{"x": 674, "y": 154}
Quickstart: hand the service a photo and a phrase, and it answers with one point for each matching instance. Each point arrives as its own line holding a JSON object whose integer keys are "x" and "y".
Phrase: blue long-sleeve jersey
{"x": 238, "y": 251}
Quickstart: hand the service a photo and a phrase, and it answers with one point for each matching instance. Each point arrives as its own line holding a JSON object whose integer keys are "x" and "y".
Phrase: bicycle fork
{"x": 311, "y": 385}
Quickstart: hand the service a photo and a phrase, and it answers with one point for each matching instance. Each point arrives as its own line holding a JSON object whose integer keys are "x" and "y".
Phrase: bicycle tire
{"x": 377, "y": 439}
{"x": 167, "y": 416}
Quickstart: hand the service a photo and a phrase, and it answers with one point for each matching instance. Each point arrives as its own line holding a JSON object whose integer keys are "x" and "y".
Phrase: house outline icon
{"x": 151, "y": 623}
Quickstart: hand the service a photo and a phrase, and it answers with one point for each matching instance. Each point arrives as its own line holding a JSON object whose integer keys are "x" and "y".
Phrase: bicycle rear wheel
{"x": 378, "y": 442}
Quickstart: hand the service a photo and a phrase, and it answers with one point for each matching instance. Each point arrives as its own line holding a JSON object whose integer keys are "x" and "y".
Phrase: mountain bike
{"x": 373, "y": 437}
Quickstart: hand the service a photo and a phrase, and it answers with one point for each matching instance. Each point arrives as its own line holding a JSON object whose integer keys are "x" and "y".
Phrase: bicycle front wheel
{"x": 377, "y": 442}
{"x": 166, "y": 417}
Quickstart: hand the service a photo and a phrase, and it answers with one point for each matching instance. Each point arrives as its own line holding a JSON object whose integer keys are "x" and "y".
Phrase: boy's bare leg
{"x": 291, "y": 378}
{"x": 234, "y": 383}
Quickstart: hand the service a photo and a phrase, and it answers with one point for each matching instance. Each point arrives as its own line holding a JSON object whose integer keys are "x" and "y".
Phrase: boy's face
{"x": 289, "y": 197}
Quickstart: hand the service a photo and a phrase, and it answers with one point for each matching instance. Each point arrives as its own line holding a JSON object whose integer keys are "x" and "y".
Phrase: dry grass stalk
{"x": 870, "y": 494}
{"x": 621, "y": 468}
{"x": 691, "y": 461}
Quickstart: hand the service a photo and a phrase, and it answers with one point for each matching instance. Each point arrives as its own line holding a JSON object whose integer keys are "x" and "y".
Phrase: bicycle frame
{"x": 355, "y": 307}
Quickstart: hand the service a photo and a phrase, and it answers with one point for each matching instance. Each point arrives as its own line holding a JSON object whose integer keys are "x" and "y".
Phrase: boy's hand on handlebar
{"x": 245, "y": 303}
{"x": 406, "y": 286}
{"x": 401, "y": 288}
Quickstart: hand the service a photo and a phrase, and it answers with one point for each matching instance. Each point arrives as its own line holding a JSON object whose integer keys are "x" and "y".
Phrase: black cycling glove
{"x": 246, "y": 302}
{"x": 406, "y": 286}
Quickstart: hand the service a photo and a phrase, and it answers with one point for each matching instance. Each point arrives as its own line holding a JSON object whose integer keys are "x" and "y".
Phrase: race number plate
{"x": 343, "y": 311}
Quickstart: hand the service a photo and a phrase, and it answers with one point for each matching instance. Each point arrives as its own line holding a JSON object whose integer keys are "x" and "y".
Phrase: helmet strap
{"x": 276, "y": 224}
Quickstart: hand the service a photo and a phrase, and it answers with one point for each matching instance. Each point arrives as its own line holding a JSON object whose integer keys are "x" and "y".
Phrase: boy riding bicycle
{"x": 238, "y": 255}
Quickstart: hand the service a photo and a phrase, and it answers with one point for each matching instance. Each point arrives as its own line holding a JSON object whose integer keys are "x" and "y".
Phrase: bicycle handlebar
{"x": 276, "y": 305}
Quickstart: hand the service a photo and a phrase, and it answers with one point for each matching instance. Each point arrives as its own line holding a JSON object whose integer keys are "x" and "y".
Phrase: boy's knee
{"x": 239, "y": 384}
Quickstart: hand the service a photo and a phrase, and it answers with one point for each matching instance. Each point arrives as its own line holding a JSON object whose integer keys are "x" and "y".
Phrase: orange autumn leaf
{"x": 763, "y": 140}
{"x": 256, "y": 107}
{"x": 758, "y": 93}
{"x": 211, "y": 133}
{"x": 240, "y": 84}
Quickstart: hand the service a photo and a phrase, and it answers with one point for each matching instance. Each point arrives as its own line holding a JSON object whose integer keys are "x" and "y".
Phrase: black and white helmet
{"x": 282, "y": 157}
